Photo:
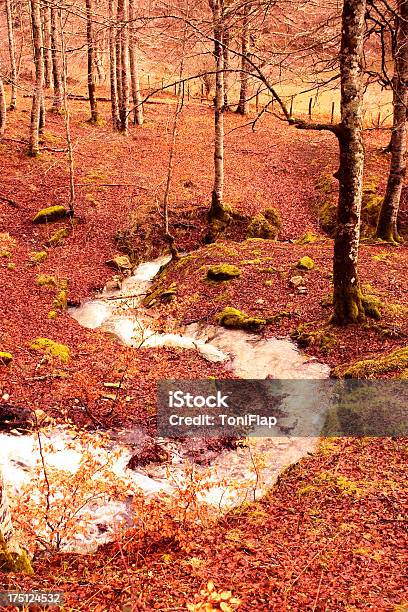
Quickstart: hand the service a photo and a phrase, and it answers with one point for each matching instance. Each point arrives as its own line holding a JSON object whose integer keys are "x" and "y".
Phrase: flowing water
{"x": 233, "y": 475}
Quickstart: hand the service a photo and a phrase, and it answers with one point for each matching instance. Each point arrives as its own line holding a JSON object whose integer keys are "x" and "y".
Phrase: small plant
{"x": 210, "y": 599}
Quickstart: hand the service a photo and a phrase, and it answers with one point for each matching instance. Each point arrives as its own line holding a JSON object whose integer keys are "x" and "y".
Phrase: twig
{"x": 8, "y": 201}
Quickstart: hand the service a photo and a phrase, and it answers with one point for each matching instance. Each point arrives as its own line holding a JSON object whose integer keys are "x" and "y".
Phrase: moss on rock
{"x": 13, "y": 558}
{"x": 160, "y": 294}
{"x": 58, "y": 237}
{"x": 273, "y": 216}
{"x": 37, "y": 257}
{"x": 305, "y": 263}
{"x": 372, "y": 305}
{"x": 52, "y": 213}
{"x": 223, "y": 272}
{"x": 5, "y": 358}
{"x": 46, "y": 280}
{"x": 232, "y": 317}
{"x": 395, "y": 362}
{"x": 49, "y": 347}
{"x": 321, "y": 338}
{"x": 61, "y": 300}
{"x": 260, "y": 227}
{"x": 307, "y": 238}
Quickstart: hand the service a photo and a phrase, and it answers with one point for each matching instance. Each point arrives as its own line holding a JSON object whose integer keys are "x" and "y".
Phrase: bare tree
{"x": 123, "y": 88}
{"x": 348, "y": 299}
{"x": 46, "y": 21}
{"x": 134, "y": 71}
{"x": 218, "y": 215}
{"x": 226, "y": 57}
{"x": 56, "y": 68}
{"x": 67, "y": 120}
{"x": 113, "y": 68}
{"x": 37, "y": 100}
{"x": 242, "y": 108}
{"x": 91, "y": 61}
{"x": 12, "y": 53}
{"x": 387, "y": 223}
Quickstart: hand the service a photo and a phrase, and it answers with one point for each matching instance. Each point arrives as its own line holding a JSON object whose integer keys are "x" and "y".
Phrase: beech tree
{"x": 12, "y": 53}
{"x": 134, "y": 71}
{"x": 242, "y": 108}
{"x": 113, "y": 68}
{"x": 3, "y": 108}
{"x": 91, "y": 62}
{"x": 387, "y": 228}
{"x": 37, "y": 99}
{"x": 56, "y": 65}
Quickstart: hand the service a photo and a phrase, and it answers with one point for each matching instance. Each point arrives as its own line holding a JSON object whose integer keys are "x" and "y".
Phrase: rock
{"x": 46, "y": 280}
{"x": 231, "y": 317}
{"x": 37, "y": 257}
{"x": 260, "y": 227}
{"x": 222, "y": 272}
{"x": 5, "y": 358}
{"x": 121, "y": 263}
{"x": 113, "y": 285}
{"x": 307, "y": 238}
{"x": 306, "y": 263}
{"x": 58, "y": 237}
{"x": 296, "y": 281}
{"x": 302, "y": 290}
{"x": 151, "y": 452}
{"x": 52, "y": 213}
{"x": 14, "y": 416}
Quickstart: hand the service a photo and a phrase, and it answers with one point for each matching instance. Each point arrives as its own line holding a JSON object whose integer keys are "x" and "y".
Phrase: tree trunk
{"x": 112, "y": 69}
{"x": 3, "y": 109}
{"x": 12, "y": 52}
{"x": 123, "y": 69}
{"x": 348, "y": 300}
{"x": 12, "y": 557}
{"x": 56, "y": 69}
{"x": 91, "y": 62}
{"x": 33, "y": 149}
{"x": 226, "y": 56}
{"x": 218, "y": 215}
{"x": 387, "y": 222}
{"x": 134, "y": 72}
{"x": 242, "y": 108}
{"x": 46, "y": 19}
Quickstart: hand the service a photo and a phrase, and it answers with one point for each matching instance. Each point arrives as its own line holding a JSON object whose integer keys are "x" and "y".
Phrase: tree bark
{"x": 348, "y": 299}
{"x": 242, "y": 108}
{"x": 134, "y": 72}
{"x": 12, "y": 53}
{"x": 113, "y": 68}
{"x": 33, "y": 149}
{"x": 226, "y": 56}
{"x": 46, "y": 19}
{"x": 218, "y": 215}
{"x": 13, "y": 558}
{"x": 91, "y": 62}
{"x": 123, "y": 67}
{"x": 56, "y": 68}
{"x": 387, "y": 228}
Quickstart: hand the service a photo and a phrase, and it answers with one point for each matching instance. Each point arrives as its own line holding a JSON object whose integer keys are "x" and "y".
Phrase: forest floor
{"x": 329, "y": 536}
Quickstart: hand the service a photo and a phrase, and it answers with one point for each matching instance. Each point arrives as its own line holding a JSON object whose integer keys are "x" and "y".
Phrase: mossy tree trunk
{"x": 37, "y": 99}
{"x": 348, "y": 303}
{"x": 13, "y": 558}
{"x": 387, "y": 228}
{"x": 218, "y": 215}
{"x": 91, "y": 62}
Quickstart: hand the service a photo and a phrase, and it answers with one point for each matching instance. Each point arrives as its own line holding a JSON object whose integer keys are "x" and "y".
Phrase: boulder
{"x": 223, "y": 272}
{"x": 52, "y": 213}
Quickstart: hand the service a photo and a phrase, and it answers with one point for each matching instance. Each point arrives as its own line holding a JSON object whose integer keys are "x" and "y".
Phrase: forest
{"x": 203, "y": 206}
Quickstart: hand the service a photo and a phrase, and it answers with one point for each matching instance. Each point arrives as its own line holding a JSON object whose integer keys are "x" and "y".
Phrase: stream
{"x": 229, "y": 472}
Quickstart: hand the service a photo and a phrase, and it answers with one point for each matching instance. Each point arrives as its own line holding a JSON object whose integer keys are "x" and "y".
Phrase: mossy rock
{"x": 260, "y": 227}
{"x": 307, "y": 238}
{"x": 121, "y": 263}
{"x": 234, "y": 318}
{"x": 46, "y": 280}
{"x": 5, "y": 358}
{"x": 13, "y": 558}
{"x": 321, "y": 338}
{"x": 61, "y": 300}
{"x": 305, "y": 263}
{"x": 160, "y": 294}
{"x": 52, "y": 213}
{"x": 223, "y": 272}
{"x": 58, "y": 237}
{"x": 273, "y": 217}
{"x": 49, "y": 347}
{"x": 37, "y": 257}
{"x": 372, "y": 305}
{"x": 395, "y": 363}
